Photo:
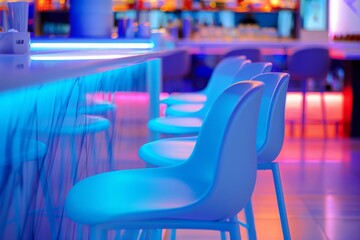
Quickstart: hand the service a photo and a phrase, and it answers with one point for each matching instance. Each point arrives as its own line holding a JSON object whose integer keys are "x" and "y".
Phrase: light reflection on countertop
{"x": 20, "y": 70}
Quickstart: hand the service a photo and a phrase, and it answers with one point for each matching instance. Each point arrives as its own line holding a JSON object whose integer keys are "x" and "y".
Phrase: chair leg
{"x": 79, "y": 231}
{"x": 303, "y": 114}
{"x": 74, "y": 159}
{"x": 235, "y": 231}
{"x": 97, "y": 234}
{"x": 323, "y": 113}
{"x": 223, "y": 235}
{"x": 131, "y": 234}
{"x": 172, "y": 234}
{"x": 250, "y": 222}
{"x": 280, "y": 201}
{"x": 108, "y": 143}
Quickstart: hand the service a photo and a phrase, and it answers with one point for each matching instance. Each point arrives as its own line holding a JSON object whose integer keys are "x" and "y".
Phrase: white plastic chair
{"x": 185, "y": 196}
{"x": 190, "y": 122}
{"x": 269, "y": 141}
{"x": 246, "y": 72}
{"x": 219, "y": 78}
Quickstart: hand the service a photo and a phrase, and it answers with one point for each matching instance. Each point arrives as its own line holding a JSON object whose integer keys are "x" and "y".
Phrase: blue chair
{"x": 189, "y": 122}
{"x": 269, "y": 141}
{"x": 224, "y": 69}
{"x": 187, "y": 195}
{"x": 310, "y": 64}
{"x": 246, "y": 72}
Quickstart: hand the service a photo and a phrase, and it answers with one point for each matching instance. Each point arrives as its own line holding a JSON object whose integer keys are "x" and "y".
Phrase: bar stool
{"x": 72, "y": 127}
{"x": 309, "y": 65}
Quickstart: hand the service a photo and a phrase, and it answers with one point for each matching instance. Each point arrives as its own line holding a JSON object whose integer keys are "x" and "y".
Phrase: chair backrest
{"x": 311, "y": 62}
{"x": 248, "y": 71}
{"x": 252, "y": 69}
{"x": 223, "y": 73}
{"x": 271, "y": 124}
{"x": 253, "y": 54}
{"x": 224, "y": 157}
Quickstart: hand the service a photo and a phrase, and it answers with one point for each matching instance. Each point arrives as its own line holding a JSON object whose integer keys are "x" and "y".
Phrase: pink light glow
{"x": 333, "y": 102}
{"x": 333, "y": 105}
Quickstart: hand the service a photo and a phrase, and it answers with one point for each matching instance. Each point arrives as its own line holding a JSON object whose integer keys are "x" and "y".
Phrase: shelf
{"x": 164, "y": 9}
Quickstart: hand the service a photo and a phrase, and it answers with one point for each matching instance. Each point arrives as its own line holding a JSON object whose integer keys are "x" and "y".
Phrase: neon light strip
{"x": 80, "y": 45}
{"x": 76, "y": 57}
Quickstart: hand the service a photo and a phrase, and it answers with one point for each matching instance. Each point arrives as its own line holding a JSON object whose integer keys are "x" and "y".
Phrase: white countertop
{"x": 338, "y": 50}
{"x": 23, "y": 70}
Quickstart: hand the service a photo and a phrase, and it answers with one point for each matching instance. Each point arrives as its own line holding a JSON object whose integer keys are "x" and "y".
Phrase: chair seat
{"x": 183, "y": 109}
{"x": 179, "y": 98}
{"x": 167, "y": 152}
{"x": 76, "y": 125}
{"x": 176, "y": 125}
{"x": 127, "y": 195}
{"x": 97, "y": 108}
{"x": 21, "y": 150}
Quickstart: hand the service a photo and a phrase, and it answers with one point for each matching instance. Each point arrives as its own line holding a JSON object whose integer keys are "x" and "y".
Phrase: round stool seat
{"x": 167, "y": 152}
{"x": 19, "y": 150}
{"x": 180, "y": 98}
{"x": 98, "y": 108}
{"x": 72, "y": 125}
{"x": 183, "y": 109}
{"x": 176, "y": 125}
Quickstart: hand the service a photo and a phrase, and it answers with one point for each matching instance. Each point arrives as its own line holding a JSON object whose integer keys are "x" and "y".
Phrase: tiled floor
{"x": 321, "y": 179}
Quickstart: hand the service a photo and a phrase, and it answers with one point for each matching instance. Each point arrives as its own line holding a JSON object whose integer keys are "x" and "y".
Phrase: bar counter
{"x": 267, "y": 46}
{"x": 57, "y": 126}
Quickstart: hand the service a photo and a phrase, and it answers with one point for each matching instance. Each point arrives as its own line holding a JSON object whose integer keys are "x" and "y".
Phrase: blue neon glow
{"x": 82, "y": 45}
{"x": 77, "y": 57}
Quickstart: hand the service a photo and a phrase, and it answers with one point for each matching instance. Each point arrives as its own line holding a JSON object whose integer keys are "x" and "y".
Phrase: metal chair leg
{"x": 280, "y": 201}
{"x": 223, "y": 235}
{"x": 250, "y": 222}
{"x": 235, "y": 231}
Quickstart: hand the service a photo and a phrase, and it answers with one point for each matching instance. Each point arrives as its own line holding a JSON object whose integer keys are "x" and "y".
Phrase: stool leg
{"x": 94, "y": 154}
{"x": 250, "y": 222}
{"x": 223, "y": 235}
{"x": 74, "y": 160}
{"x": 235, "y": 231}
{"x": 108, "y": 143}
{"x": 280, "y": 201}
{"x": 97, "y": 234}
{"x": 303, "y": 112}
{"x": 323, "y": 113}
{"x": 173, "y": 234}
{"x": 79, "y": 231}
